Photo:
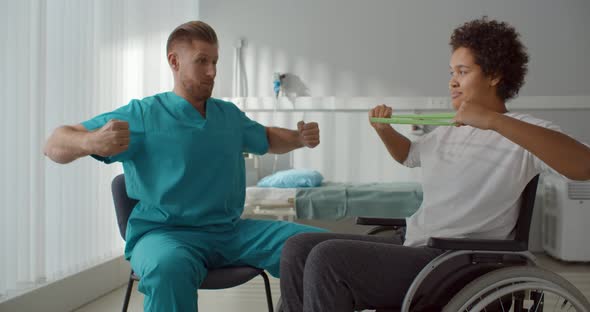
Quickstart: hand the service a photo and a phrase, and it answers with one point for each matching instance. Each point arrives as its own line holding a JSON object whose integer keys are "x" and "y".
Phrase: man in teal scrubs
{"x": 182, "y": 154}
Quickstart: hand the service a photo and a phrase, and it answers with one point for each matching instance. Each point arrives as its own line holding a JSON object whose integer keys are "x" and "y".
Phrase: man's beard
{"x": 200, "y": 92}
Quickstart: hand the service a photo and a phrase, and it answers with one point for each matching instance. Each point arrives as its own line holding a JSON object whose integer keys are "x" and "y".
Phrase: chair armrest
{"x": 380, "y": 221}
{"x": 476, "y": 244}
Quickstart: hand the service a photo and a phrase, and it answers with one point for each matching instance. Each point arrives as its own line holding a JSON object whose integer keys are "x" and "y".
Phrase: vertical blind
{"x": 64, "y": 61}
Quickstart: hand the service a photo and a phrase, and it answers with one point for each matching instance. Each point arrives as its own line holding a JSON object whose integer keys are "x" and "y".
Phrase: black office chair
{"x": 468, "y": 265}
{"x": 216, "y": 279}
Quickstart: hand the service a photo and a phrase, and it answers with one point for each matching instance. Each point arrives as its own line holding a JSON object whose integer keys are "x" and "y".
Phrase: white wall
{"x": 391, "y": 47}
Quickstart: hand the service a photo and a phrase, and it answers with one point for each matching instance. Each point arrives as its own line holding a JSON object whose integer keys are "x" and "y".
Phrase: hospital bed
{"x": 335, "y": 201}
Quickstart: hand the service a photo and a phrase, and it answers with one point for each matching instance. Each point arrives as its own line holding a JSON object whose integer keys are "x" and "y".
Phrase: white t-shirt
{"x": 472, "y": 181}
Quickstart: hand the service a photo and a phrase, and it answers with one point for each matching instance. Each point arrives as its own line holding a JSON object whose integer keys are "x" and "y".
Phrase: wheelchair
{"x": 485, "y": 275}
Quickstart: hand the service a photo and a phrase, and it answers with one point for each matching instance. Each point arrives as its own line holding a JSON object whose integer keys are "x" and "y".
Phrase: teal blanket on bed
{"x": 333, "y": 201}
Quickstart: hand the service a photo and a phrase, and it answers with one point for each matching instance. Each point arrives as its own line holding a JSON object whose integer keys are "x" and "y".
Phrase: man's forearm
{"x": 66, "y": 144}
{"x": 282, "y": 140}
{"x": 397, "y": 145}
{"x": 562, "y": 153}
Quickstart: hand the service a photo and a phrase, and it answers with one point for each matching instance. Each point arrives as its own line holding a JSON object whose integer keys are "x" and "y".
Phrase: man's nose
{"x": 211, "y": 71}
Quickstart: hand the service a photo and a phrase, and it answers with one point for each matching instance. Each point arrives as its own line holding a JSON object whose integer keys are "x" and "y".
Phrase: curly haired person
{"x": 472, "y": 178}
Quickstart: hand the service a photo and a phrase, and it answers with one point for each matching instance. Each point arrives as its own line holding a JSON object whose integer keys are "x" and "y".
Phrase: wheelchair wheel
{"x": 524, "y": 288}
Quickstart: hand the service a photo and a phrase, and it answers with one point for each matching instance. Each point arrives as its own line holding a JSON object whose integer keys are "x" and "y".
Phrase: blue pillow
{"x": 292, "y": 178}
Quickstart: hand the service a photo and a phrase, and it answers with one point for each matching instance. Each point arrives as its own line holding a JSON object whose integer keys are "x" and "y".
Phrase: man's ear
{"x": 173, "y": 60}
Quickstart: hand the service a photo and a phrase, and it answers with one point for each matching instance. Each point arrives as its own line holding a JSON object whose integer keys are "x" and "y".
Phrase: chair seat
{"x": 225, "y": 277}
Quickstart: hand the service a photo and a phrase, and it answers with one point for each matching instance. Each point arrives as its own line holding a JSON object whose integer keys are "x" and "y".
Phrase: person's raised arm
{"x": 397, "y": 145}
{"x": 282, "y": 140}
{"x": 68, "y": 143}
{"x": 559, "y": 151}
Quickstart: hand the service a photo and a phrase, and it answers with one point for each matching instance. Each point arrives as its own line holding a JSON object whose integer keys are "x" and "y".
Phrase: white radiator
{"x": 566, "y": 218}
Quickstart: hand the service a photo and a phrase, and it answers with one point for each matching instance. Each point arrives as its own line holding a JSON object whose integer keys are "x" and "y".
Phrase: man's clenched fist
{"x": 113, "y": 138}
{"x": 309, "y": 133}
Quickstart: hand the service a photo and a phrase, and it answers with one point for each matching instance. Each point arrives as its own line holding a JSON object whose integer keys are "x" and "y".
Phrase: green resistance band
{"x": 441, "y": 119}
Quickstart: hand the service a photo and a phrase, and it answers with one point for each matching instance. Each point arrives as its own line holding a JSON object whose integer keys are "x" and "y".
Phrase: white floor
{"x": 251, "y": 297}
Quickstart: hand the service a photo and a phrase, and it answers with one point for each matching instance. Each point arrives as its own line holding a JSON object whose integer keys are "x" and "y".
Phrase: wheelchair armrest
{"x": 476, "y": 244}
{"x": 380, "y": 221}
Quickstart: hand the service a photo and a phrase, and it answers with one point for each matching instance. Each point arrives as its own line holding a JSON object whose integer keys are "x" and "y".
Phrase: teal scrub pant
{"x": 172, "y": 263}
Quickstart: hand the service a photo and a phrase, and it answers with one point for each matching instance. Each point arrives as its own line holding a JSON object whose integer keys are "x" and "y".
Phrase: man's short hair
{"x": 497, "y": 49}
{"x": 187, "y": 32}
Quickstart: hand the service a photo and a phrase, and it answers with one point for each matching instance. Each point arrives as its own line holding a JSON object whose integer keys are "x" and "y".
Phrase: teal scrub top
{"x": 186, "y": 171}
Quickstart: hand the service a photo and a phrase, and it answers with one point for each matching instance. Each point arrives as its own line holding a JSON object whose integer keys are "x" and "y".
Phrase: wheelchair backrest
{"x": 527, "y": 203}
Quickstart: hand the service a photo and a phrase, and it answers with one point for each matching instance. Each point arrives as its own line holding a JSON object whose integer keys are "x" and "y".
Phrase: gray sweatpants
{"x": 345, "y": 272}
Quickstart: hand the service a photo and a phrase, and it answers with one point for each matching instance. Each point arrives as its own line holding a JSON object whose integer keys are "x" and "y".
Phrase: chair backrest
{"x": 123, "y": 204}
{"x": 523, "y": 224}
